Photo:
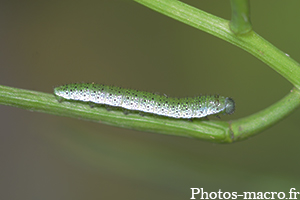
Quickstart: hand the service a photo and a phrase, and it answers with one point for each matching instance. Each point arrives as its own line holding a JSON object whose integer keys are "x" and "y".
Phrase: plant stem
{"x": 251, "y": 125}
{"x": 240, "y": 17}
{"x": 214, "y": 131}
{"x": 251, "y": 42}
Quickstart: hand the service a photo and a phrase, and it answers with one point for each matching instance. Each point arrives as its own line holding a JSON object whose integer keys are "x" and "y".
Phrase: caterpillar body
{"x": 196, "y": 107}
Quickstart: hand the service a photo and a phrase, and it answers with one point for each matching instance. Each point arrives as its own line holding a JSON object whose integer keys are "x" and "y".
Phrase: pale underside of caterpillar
{"x": 196, "y": 107}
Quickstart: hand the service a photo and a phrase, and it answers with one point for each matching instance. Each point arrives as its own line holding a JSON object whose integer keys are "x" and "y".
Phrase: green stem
{"x": 251, "y": 125}
{"x": 251, "y": 42}
{"x": 214, "y": 131}
{"x": 240, "y": 17}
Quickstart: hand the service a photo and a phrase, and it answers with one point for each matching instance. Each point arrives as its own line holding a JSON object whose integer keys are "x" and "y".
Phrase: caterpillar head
{"x": 229, "y": 106}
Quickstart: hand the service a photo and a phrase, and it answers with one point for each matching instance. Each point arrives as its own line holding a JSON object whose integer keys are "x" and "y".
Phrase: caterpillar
{"x": 196, "y": 107}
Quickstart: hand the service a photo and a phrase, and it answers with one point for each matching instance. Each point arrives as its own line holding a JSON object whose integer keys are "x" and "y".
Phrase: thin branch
{"x": 251, "y": 42}
{"x": 240, "y": 17}
{"x": 214, "y": 131}
{"x": 254, "y": 124}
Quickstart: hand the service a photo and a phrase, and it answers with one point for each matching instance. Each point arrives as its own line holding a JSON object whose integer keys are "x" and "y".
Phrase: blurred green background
{"x": 49, "y": 43}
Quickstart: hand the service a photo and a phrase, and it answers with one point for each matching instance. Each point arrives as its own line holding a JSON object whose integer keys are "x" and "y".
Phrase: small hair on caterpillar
{"x": 130, "y": 99}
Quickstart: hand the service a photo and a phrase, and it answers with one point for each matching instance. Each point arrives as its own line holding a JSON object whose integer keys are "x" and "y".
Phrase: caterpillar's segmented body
{"x": 196, "y": 107}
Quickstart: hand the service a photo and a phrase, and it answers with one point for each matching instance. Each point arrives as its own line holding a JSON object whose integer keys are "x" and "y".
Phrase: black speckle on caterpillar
{"x": 196, "y": 107}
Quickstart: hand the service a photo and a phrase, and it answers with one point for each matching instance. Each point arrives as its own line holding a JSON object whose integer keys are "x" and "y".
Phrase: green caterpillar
{"x": 130, "y": 99}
